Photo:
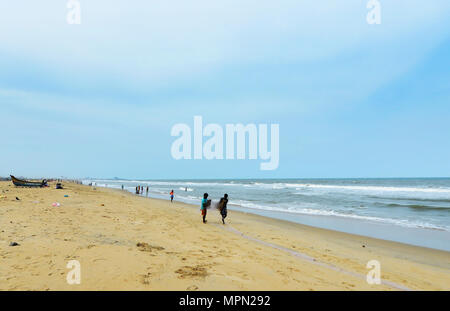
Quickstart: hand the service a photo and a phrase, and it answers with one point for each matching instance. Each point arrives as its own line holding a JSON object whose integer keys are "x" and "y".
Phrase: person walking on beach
{"x": 223, "y": 207}
{"x": 204, "y": 206}
{"x": 171, "y": 196}
{"x": 147, "y": 191}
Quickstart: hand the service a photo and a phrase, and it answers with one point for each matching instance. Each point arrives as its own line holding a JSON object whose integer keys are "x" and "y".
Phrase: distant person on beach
{"x": 223, "y": 207}
{"x": 171, "y": 196}
{"x": 204, "y": 207}
{"x": 185, "y": 189}
{"x": 147, "y": 190}
{"x": 122, "y": 187}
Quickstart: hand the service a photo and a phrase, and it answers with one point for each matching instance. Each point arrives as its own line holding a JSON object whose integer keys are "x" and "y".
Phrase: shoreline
{"x": 421, "y": 237}
{"x": 285, "y": 221}
{"x": 102, "y": 228}
{"x": 324, "y": 231}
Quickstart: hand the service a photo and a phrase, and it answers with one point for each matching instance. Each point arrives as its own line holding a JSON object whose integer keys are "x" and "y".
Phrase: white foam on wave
{"x": 372, "y": 188}
{"x": 278, "y": 185}
{"x": 190, "y": 183}
{"x": 405, "y": 192}
{"x": 162, "y": 183}
{"x": 393, "y": 193}
{"x": 186, "y": 189}
{"x": 321, "y": 212}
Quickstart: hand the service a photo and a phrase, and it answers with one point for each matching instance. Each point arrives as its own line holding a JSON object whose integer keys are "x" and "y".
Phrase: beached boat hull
{"x": 24, "y": 183}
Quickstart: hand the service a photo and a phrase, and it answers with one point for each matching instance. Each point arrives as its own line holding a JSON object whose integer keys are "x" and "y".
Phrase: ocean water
{"x": 407, "y": 207}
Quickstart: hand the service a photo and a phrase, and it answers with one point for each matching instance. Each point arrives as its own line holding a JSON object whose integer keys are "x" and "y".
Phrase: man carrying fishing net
{"x": 223, "y": 207}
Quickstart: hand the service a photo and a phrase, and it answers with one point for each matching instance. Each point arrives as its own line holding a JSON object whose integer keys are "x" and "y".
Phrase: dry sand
{"x": 102, "y": 229}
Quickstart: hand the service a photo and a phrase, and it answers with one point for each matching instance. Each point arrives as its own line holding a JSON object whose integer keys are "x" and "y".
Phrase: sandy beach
{"x": 126, "y": 242}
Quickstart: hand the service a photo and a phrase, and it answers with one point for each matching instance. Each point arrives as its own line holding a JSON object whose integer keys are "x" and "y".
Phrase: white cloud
{"x": 146, "y": 47}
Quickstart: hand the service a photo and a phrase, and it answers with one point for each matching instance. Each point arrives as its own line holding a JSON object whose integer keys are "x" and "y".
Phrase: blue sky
{"x": 99, "y": 99}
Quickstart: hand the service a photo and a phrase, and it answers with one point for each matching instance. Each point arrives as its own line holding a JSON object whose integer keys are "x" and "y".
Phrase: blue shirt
{"x": 204, "y": 201}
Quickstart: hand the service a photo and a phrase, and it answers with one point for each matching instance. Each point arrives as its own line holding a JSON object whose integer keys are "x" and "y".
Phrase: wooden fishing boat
{"x": 25, "y": 183}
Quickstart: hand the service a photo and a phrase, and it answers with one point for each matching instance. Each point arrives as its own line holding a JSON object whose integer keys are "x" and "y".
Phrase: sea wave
{"x": 280, "y": 185}
{"x": 421, "y": 207}
{"x": 186, "y": 189}
{"x": 370, "y": 188}
{"x": 395, "y": 202}
{"x": 322, "y": 212}
{"x": 431, "y": 200}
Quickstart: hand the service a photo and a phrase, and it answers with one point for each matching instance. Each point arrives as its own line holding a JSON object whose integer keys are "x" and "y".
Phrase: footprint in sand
{"x": 145, "y": 278}
{"x": 192, "y": 287}
{"x": 145, "y": 247}
{"x": 348, "y": 284}
{"x": 192, "y": 272}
